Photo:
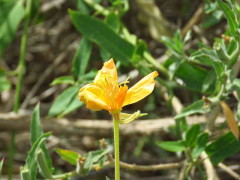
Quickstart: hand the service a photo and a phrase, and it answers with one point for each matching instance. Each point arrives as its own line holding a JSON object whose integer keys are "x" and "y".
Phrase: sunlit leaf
{"x": 197, "y": 107}
{"x": 63, "y": 101}
{"x": 63, "y": 80}
{"x": 94, "y": 157}
{"x": 229, "y": 13}
{"x": 1, "y": 165}
{"x": 68, "y": 155}
{"x": 172, "y": 146}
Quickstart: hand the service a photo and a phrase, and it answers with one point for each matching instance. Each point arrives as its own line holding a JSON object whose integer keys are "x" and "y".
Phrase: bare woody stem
{"x": 133, "y": 167}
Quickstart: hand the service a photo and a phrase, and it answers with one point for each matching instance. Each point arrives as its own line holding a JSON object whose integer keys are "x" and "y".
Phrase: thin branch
{"x": 127, "y": 166}
{"x": 100, "y": 128}
{"x": 194, "y": 20}
{"x": 211, "y": 173}
{"x": 149, "y": 167}
{"x": 46, "y": 73}
{"x": 229, "y": 171}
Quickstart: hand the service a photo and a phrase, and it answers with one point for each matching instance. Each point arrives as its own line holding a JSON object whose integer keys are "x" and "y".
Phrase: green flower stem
{"x": 21, "y": 65}
{"x": 97, "y": 7}
{"x": 156, "y": 65}
{"x": 116, "y": 146}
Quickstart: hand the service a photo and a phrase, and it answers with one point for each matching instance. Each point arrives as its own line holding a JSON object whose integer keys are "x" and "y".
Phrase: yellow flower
{"x": 106, "y": 93}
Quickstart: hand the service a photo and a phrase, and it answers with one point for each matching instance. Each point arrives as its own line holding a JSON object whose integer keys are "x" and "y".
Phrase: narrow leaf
{"x": 201, "y": 144}
{"x": 31, "y": 158}
{"x": 222, "y": 148}
{"x": 35, "y": 126}
{"x": 75, "y": 104}
{"x": 231, "y": 121}
{"x": 35, "y": 132}
{"x": 229, "y": 13}
{"x": 100, "y": 33}
{"x": 82, "y": 57}
{"x": 172, "y": 146}
{"x": 63, "y": 101}
{"x": 63, "y": 80}
{"x": 192, "y": 134}
{"x": 68, "y": 155}
{"x": 10, "y": 23}
{"x": 197, "y": 107}
{"x": 93, "y": 157}
{"x": 1, "y": 165}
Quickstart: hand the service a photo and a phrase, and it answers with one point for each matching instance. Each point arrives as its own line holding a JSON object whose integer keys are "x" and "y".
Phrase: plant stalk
{"x": 21, "y": 65}
{"x": 116, "y": 146}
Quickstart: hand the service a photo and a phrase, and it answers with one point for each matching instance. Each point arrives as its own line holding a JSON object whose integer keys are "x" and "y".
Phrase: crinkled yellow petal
{"x": 108, "y": 68}
{"x": 93, "y": 96}
{"x": 141, "y": 89}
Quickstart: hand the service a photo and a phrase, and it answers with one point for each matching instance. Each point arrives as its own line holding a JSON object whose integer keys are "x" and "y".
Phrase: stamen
{"x": 125, "y": 82}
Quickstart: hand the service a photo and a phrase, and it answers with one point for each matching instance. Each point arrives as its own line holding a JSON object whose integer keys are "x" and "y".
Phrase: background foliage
{"x": 50, "y": 49}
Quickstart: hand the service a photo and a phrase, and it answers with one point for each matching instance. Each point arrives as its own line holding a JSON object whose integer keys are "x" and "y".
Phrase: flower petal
{"x": 93, "y": 96}
{"x": 141, "y": 89}
{"x": 121, "y": 96}
{"x": 108, "y": 68}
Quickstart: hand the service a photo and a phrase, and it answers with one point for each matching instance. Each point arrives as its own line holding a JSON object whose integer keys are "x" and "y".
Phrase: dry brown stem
{"x": 100, "y": 128}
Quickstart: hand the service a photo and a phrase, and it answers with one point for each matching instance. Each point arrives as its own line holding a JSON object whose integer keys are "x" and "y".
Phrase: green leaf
{"x": 175, "y": 44}
{"x": 63, "y": 101}
{"x": 192, "y": 76}
{"x": 68, "y": 155}
{"x": 63, "y": 80}
{"x": 235, "y": 85}
{"x": 191, "y": 135}
{"x": 9, "y": 22}
{"x": 219, "y": 68}
{"x": 31, "y": 163}
{"x": 36, "y": 132}
{"x": 230, "y": 16}
{"x": 1, "y": 165}
{"x": 209, "y": 80}
{"x": 105, "y": 55}
{"x": 35, "y": 126}
{"x": 94, "y": 157}
{"x": 45, "y": 171}
{"x": 172, "y": 146}
{"x": 212, "y": 19}
{"x": 75, "y": 104}
{"x": 113, "y": 21}
{"x": 201, "y": 144}
{"x": 81, "y": 58}
{"x": 100, "y": 33}
{"x": 82, "y": 7}
{"x": 107, "y": 178}
{"x": 197, "y": 107}
{"x": 222, "y": 148}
